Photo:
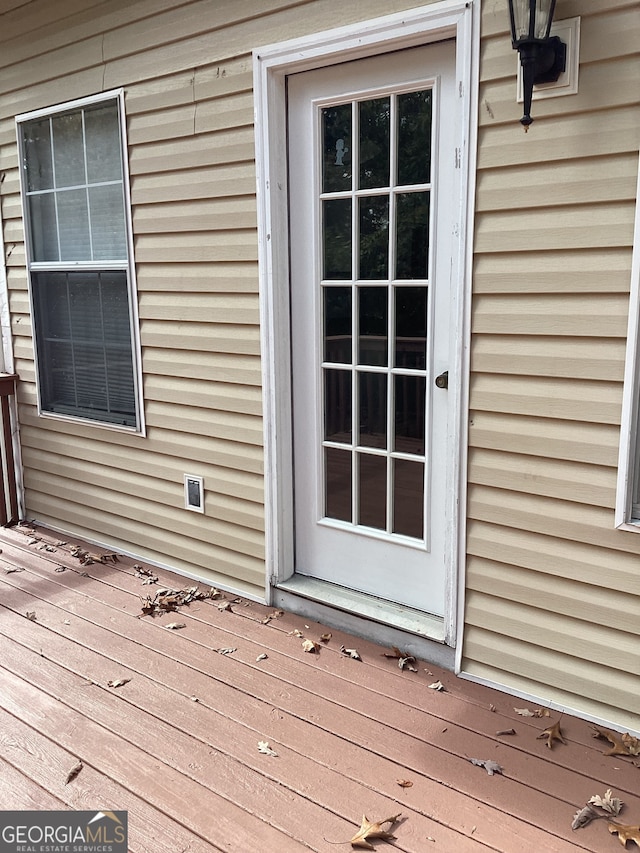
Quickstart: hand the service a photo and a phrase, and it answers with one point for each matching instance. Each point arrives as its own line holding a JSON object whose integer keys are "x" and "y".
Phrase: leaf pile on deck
{"x": 168, "y": 600}
{"x": 87, "y": 559}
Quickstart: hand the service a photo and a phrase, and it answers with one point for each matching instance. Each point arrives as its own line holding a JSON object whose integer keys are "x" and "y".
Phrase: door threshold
{"x": 384, "y": 622}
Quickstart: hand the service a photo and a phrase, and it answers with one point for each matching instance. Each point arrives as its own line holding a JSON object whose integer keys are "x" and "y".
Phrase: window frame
{"x": 127, "y": 266}
{"x": 628, "y": 487}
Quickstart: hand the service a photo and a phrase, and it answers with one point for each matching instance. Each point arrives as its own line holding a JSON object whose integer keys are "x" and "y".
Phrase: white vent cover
{"x": 193, "y": 493}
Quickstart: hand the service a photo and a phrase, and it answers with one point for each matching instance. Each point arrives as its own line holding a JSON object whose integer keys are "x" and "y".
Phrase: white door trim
{"x": 271, "y": 64}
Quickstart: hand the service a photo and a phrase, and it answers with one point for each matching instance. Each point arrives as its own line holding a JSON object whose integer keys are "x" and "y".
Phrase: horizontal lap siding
{"x": 194, "y": 217}
{"x": 186, "y": 69}
{"x": 553, "y": 590}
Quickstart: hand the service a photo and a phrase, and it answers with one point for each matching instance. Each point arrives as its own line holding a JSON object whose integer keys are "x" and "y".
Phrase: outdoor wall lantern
{"x": 543, "y": 57}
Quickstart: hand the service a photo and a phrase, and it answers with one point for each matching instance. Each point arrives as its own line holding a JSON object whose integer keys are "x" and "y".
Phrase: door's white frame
{"x": 457, "y": 19}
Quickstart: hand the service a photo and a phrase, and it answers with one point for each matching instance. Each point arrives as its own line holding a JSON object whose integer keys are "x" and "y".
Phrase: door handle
{"x": 442, "y": 381}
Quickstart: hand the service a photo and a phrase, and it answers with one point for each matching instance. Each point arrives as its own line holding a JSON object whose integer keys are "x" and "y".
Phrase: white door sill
{"x": 384, "y": 622}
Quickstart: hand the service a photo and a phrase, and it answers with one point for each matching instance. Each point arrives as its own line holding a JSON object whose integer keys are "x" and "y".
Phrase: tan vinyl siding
{"x": 187, "y": 73}
{"x": 191, "y": 159}
{"x": 553, "y": 589}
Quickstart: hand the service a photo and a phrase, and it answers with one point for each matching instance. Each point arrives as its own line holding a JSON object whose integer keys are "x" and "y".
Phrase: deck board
{"x": 346, "y": 731}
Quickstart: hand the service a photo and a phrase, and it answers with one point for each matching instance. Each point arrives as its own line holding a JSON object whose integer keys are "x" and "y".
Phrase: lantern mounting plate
{"x": 567, "y": 83}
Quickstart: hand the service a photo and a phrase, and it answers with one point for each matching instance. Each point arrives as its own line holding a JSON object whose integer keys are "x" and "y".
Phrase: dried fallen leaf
{"x": 118, "y": 682}
{"x": 491, "y": 767}
{"x": 631, "y": 743}
{"x": 296, "y": 633}
{"x": 394, "y": 653}
{"x": 226, "y": 651}
{"x": 405, "y": 660}
{"x": 225, "y": 607}
{"x": 505, "y": 732}
{"x": 608, "y": 803}
{"x": 542, "y": 712}
{"x": 263, "y": 656}
{"x": 583, "y": 817}
{"x": 175, "y": 626}
{"x": 13, "y": 569}
{"x": 142, "y": 572}
{"x": 621, "y": 744}
{"x": 71, "y": 775}
{"x": 552, "y": 733}
{"x": 524, "y": 712}
{"x": 324, "y": 638}
{"x": 404, "y": 783}
{"x": 30, "y": 614}
{"x": 350, "y": 653}
{"x": 265, "y": 749}
{"x": 369, "y": 829}
{"x": 437, "y": 685}
{"x": 625, "y": 833}
{"x": 310, "y": 646}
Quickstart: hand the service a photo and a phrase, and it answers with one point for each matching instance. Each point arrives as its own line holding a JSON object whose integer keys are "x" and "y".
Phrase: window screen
{"x": 74, "y": 188}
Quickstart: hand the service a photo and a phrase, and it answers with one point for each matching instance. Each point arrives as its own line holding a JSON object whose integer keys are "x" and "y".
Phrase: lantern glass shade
{"x": 531, "y": 19}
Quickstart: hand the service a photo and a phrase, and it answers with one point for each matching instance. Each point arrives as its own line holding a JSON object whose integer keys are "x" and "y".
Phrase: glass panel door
{"x": 370, "y": 298}
{"x": 375, "y": 202}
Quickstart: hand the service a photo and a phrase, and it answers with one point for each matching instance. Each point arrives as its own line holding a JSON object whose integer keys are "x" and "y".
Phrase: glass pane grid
{"x": 85, "y": 369}
{"x": 389, "y": 306}
{"x": 69, "y": 157}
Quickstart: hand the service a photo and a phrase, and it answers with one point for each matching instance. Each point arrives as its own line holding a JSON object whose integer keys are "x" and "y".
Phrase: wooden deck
{"x": 177, "y": 745}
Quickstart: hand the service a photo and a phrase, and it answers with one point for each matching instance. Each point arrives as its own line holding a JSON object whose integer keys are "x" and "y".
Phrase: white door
{"x": 372, "y": 183}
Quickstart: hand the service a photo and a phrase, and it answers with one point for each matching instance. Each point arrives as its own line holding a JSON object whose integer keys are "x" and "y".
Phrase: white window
{"x": 76, "y": 213}
{"x": 628, "y": 495}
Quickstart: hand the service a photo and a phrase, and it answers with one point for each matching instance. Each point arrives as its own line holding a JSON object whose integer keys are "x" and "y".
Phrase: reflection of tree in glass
{"x": 374, "y": 143}
{"x": 337, "y": 324}
{"x": 337, "y": 238}
{"x": 412, "y": 229}
{"x": 374, "y": 237}
{"x": 414, "y": 137}
{"x": 411, "y": 327}
{"x": 337, "y": 311}
{"x": 373, "y": 325}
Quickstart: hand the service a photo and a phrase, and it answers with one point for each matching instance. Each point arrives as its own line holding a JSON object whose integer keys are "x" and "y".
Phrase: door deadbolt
{"x": 442, "y": 381}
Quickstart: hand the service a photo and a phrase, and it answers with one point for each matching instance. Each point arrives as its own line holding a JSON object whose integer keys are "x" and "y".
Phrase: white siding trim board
{"x": 628, "y": 487}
